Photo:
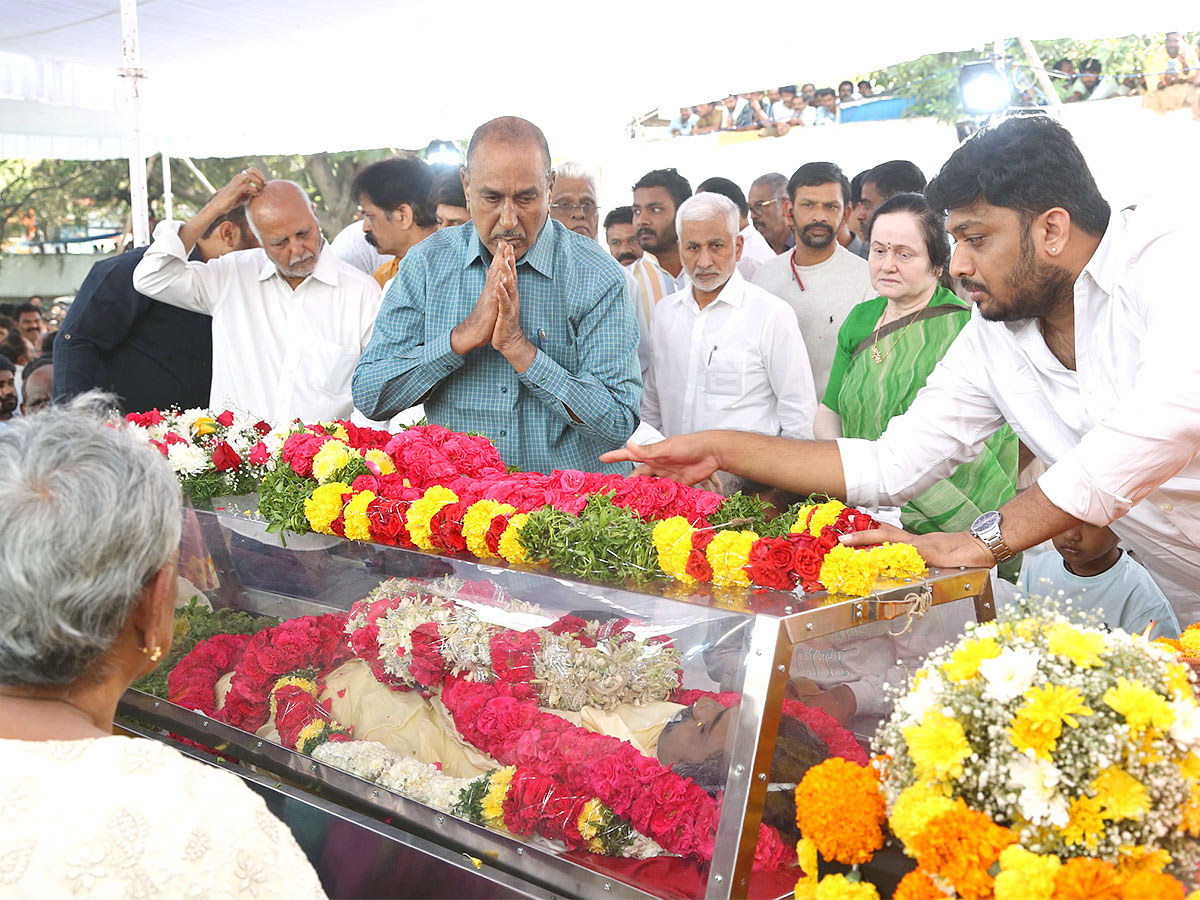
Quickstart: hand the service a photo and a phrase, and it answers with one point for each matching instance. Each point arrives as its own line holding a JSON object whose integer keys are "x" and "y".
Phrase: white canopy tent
{"x": 242, "y": 77}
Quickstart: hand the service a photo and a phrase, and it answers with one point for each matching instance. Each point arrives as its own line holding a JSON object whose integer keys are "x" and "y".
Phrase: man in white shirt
{"x": 657, "y": 197}
{"x": 755, "y": 249}
{"x": 1082, "y": 340}
{"x": 820, "y": 279}
{"x": 290, "y": 319}
{"x": 726, "y": 354}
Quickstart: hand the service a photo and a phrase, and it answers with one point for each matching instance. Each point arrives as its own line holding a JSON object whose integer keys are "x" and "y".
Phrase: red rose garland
{"x": 674, "y": 811}
{"x": 309, "y": 642}
{"x": 192, "y": 684}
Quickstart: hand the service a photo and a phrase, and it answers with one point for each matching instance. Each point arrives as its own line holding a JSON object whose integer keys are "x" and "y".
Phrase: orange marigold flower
{"x": 961, "y": 845}
{"x": 1153, "y": 886}
{"x": 1084, "y": 878}
{"x": 917, "y": 885}
{"x": 840, "y": 808}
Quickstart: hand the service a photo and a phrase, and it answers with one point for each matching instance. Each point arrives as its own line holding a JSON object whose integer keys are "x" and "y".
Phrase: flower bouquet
{"x": 212, "y": 454}
{"x": 1032, "y": 759}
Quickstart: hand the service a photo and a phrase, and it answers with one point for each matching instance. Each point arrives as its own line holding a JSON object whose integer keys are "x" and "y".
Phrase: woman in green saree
{"x": 887, "y": 347}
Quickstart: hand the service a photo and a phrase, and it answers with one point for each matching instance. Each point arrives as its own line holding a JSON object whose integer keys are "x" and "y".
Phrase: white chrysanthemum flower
{"x": 924, "y": 697}
{"x": 188, "y": 418}
{"x": 1185, "y": 730}
{"x": 186, "y": 459}
{"x": 986, "y": 630}
{"x": 1039, "y": 800}
{"x": 1010, "y": 674}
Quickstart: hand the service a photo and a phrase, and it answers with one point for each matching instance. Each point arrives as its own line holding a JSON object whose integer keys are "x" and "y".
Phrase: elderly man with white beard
{"x": 726, "y": 354}
{"x": 290, "y": 319}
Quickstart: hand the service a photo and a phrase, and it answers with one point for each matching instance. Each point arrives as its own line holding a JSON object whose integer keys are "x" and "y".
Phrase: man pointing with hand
{"x": 512, "y": 327}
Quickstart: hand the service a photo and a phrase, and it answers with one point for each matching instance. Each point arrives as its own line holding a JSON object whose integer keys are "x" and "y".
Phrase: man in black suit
{"x": 149, "y": 354}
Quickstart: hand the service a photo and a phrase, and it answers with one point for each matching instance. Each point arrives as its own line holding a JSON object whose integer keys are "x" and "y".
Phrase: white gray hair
{"x": 575, "y": 170}
{"x": 303, "y": 193}
{"x": 706, "y": 206}
{"x": 88, "y": 514}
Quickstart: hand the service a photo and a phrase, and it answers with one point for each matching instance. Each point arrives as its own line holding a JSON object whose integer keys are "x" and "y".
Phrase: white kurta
{"x": 278, "y": 353}
{"x": 739, "y": 363}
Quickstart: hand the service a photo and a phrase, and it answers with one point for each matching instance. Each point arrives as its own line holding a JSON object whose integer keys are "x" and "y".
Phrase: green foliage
{"x": 605, "y": 542}
{"x": 194, "y": 623}
{"x": 281, "y": 497}
{"x": 469, "y": 805}
{"x": 63, "y": 193}
{"x": 741, "y": 511}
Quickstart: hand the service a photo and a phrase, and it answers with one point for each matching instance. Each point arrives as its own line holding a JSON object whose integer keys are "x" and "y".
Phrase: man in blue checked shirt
{"x": 511, "y": 326}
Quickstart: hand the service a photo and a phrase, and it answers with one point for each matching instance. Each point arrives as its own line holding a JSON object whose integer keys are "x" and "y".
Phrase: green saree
{"x": 876, "y": 377}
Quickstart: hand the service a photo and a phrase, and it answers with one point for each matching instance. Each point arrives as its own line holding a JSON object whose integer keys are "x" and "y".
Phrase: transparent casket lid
{"x": 621, "y": 730}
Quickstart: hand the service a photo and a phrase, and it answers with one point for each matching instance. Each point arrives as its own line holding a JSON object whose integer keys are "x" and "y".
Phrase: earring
{"x": 156, "y": 655}
{"x": 1053, "y": 249}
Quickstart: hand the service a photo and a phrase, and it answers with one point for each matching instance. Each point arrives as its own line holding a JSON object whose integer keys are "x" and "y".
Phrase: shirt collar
{"x": 325, "y": 271}
{"x": 733, "y": 293}
{"x": 1104, "y": 265}
{"x": 540, "y": 256}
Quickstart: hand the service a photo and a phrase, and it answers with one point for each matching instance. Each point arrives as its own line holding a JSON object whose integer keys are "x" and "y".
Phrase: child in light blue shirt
{"x": 1091, "y": 568}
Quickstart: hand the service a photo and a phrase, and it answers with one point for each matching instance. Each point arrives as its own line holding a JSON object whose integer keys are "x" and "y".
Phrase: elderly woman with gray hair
{"x": 81, "y": 810}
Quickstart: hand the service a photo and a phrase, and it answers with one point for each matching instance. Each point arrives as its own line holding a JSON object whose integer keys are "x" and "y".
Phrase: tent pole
{"x": 168, "y": 198}
{"x": 132, "y": 71}
{"x": 1039, "y": 68}
{"x": 192, "y": 167}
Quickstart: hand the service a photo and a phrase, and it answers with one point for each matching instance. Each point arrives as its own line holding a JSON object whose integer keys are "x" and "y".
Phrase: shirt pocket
{"x": 726, "y": 372}
{"x": 327, "y": 368}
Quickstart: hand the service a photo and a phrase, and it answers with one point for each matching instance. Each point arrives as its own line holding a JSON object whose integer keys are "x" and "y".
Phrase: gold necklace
{"x": 878, "y": 357}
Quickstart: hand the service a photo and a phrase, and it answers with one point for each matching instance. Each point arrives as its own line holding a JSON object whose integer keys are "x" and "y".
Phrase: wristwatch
{"x": 987, "y": 529}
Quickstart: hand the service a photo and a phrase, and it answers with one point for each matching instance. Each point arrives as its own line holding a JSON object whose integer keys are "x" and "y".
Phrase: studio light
{"x": 985, "y": 89}
{"x": 443, "y": 153}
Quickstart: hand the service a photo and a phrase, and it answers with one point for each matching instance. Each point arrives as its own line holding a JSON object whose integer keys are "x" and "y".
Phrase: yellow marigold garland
{"x": 727, "y": 553}
{"x": 422, "y": 512}
{"x": 332, "y": 457}
{"x": 510, "y": 545}
{"x": 305, "y": 684}
{"x": 961, "y": 845}
{"x": 673, "y": 541}
{"x": 848, "y": 571}
{"x": 493, "y": 801}
{"x": 358, "y": 526}
{"x": 325, "y": 505}
{"x": 476, "y": 523}
{"x": 811, "y": 519}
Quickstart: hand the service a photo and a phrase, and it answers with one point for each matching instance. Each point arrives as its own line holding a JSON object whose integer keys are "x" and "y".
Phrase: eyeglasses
{"x": 587, "y": 207}
{"x": 761, "y": 206}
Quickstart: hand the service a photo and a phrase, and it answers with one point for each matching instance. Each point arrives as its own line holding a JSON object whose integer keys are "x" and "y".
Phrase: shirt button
{"x": 1168, "y": 507}
{"x": 504, "y": 434}
{"x": 504, "y": 390}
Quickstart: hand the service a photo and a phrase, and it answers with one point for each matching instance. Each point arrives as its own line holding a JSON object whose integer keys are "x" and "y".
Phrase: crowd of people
{"x": 1032, "y": 381}
{"x": 771, "y": 112}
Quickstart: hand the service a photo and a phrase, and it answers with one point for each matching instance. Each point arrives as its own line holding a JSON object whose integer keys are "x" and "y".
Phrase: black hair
{"x": 28, "y": 308}
{"x": 48, "y": 340}
{"x": 896, "y": 176}
{"x": 825, "y": 92}
{"x": 237, "y": 216}
{"x": 726, "y": 188}
{"x": 6, "y": 322}
{"x": 1058, "y": 66}
{"x": 814, "y": 173}
{"x": 1028, "y": 163}
{"x": 509, "y": 130}
{"x": 864, "y": 81}
{"x": 8, "y": 309}
{"x": 13, "y": 347}
{"x": 932, "y": 224}
{"x": 6, "y": 364}
{"x": 392, "y": 183}
{"x": 677, "y": 186}
{"x": 1091, "y": 66}
{"x": 851, "y": 83}
{"x": 622, "y": 215}
{"x": 856, "y": 184}
{"x": 788, "y": 89}
{"x": 448, "y": 190}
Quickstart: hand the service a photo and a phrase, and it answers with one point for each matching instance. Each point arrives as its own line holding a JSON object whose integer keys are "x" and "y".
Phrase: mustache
{"x": 816, "y": 226}
{"x": 973, "y": 285}
{"x": 627, "y": 257}
{"x": 512, "y": 237}
{"x": 371, "y": 239}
